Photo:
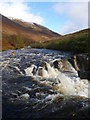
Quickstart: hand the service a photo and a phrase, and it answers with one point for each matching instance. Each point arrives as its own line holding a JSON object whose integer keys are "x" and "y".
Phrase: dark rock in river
{"x": 81, "y": 63}
{"x": 62, "y": 65}
{"x": 84, "y": 74}
{"x": 40, "y": 71}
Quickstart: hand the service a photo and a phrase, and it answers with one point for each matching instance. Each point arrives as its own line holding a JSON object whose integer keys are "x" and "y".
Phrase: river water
{"x": 41, "y": 83}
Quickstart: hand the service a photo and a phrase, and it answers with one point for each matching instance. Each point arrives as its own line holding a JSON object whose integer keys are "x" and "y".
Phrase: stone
{"x": 81, "y": 62}
{"x": 40, "y": 71}
{"x": 24, "y": 97}
{"x": 62, "y": 65}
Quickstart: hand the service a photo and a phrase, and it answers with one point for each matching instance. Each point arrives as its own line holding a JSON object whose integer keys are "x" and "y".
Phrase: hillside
{"x": 17, "y": 34}
{"x": 77, "y": 42}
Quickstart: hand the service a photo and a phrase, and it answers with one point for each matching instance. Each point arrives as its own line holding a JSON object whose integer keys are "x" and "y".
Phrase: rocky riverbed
{"x": 41, "y": 83}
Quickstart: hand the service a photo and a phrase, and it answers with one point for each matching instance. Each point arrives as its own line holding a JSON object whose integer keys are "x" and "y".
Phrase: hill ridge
{"x": 25, "y": 33}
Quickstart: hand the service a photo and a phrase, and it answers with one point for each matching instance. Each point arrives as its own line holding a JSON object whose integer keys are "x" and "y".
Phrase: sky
{"x": 61, "y": 16}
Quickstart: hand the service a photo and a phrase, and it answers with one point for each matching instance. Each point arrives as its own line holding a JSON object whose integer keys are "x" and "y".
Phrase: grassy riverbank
{"x": 78, "y": 42}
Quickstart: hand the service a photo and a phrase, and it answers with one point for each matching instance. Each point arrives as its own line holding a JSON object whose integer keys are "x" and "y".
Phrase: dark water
{"x": 32, "y": 96}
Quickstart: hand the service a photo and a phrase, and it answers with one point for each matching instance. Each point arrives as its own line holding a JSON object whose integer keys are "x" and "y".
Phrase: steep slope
{"x": 17, "y": 33}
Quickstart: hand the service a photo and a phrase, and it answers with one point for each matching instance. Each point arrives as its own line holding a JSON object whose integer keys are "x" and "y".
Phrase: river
{"x": 41, "y": 83}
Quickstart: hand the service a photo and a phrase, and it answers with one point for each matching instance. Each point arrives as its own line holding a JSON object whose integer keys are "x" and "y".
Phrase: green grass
{"x": 17, "y": 42}
{"x": 76, "y": 43}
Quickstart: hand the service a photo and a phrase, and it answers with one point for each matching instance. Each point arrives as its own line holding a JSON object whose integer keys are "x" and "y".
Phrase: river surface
{"x": 41, "y": 83}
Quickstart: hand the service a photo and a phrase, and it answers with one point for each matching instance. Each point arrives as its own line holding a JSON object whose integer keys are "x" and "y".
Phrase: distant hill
{"x": 17, "y": 33}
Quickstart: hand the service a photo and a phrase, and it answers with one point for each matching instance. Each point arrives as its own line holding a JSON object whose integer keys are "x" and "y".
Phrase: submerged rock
{"x": 24, "y": 97}
{"x": 14, "y": 95}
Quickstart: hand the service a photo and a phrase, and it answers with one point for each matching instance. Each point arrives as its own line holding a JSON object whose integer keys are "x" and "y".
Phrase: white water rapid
{"x": 66, "y": 85}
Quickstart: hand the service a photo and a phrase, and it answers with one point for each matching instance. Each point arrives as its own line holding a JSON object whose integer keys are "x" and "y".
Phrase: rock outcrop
{"x": 81, "y": 63}
{"x": 63, "y": 65}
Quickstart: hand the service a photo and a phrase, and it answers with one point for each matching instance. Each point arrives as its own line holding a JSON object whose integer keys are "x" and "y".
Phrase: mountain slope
{"x": 78, "y": 42}
{"x": 17, "y": 34}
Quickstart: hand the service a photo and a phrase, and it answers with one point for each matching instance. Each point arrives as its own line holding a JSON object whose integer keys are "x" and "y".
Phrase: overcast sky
{"x": 62, "y": 16}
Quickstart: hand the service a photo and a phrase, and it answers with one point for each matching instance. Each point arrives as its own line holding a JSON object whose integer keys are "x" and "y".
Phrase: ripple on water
{"x": 32, "y": 87}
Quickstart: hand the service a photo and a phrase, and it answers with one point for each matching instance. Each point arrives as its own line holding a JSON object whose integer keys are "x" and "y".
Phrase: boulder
{"x": 84, "y": 74}
{"x": 45, "y": 66}
{"x": 81, "y": 63}
{"x": 40, "y": 71}
{"x": 63, "y": 65}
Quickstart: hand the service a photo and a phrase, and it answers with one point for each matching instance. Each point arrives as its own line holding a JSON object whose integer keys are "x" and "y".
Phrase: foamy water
{"x": 34, "y": 79}
{"x": 66, "y": 85}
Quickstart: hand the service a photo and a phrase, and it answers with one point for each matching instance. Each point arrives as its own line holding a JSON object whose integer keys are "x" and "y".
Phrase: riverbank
{"x": 76, "y": 43}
